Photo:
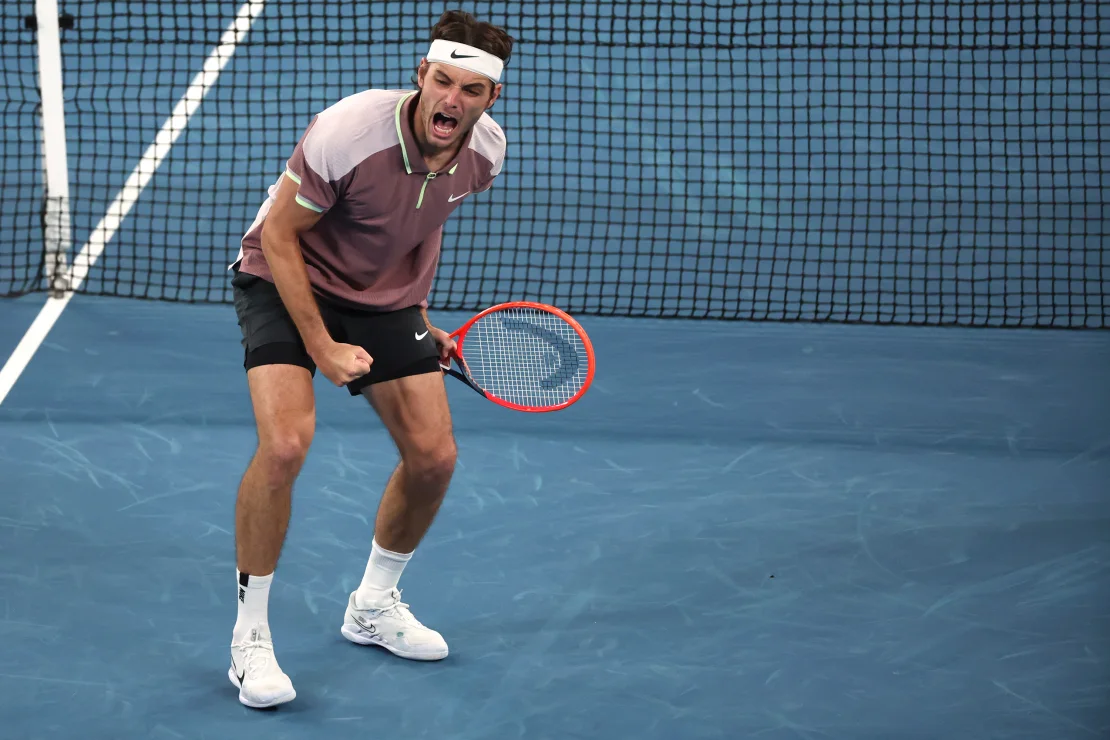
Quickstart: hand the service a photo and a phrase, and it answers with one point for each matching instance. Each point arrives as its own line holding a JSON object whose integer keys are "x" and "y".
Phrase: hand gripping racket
{"x": 524, "y": 356}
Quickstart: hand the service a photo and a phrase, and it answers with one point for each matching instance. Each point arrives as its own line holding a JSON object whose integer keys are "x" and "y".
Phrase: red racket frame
{"x": 459, "y": 335}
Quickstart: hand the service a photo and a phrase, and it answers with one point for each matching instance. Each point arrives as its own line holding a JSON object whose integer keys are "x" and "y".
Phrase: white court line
{"x": 125, "y": 199}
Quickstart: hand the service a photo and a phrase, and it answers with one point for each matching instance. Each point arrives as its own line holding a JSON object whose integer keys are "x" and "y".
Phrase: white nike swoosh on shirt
{"x": 453, "y": 198}
{"x": 421, "y": 336}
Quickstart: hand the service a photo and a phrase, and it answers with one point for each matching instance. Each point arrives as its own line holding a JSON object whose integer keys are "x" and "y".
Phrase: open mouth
{"x": 443, "y": 125}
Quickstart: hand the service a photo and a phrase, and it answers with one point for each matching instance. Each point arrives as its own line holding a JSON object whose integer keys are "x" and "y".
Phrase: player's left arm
{"x": 443, "y": 340}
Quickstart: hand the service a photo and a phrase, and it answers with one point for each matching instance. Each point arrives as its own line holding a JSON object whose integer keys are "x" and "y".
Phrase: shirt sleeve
{"x": 315, "y": 166}
{"x": 490, "y": 150}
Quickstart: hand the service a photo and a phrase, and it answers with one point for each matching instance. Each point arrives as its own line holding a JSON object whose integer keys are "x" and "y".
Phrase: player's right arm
{"x": 285, "y": 222}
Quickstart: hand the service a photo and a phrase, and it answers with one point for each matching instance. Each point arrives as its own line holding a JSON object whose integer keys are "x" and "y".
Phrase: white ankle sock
{"x": 254, "y": 597}
{"x": 383, "y": 573}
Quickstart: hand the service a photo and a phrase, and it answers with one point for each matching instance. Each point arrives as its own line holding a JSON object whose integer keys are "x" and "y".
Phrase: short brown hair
{"x": 463, "y": 28}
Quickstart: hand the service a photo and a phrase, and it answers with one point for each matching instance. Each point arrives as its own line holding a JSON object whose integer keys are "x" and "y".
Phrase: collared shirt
{"x": 377, "y": 244}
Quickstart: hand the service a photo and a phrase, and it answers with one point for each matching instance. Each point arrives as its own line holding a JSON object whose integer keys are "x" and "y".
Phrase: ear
{"x": 494, "y": 95}
{"x": 421, "y": 73}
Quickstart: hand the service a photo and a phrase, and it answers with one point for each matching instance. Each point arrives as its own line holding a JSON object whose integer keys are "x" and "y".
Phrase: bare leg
{"x": 284, "y": 409}
{"x": 415, "y": 411}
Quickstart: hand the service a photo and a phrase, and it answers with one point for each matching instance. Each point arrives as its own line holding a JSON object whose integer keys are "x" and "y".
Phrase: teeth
{"x": 443, "y": 124}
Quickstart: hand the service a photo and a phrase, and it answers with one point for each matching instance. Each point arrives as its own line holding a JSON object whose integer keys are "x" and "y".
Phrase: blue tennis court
{"x": 808, "y": 532}
{"x": 842, "y": 472}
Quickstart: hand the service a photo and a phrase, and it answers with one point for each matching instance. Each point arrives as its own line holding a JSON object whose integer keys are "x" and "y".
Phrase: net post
{"x": 57, "y": 227}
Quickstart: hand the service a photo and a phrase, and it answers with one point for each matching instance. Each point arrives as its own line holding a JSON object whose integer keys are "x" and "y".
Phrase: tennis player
{"x": 334, "y": 274}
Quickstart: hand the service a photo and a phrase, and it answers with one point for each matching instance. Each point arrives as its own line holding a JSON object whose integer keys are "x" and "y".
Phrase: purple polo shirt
{"x": 377, "y": 245}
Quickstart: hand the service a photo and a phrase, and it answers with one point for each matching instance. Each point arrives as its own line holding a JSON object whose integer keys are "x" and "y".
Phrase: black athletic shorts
{"x": 398, "y": 341}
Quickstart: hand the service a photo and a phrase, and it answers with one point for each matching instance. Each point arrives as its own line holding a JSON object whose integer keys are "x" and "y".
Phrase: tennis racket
{"x": 524, "y": 356}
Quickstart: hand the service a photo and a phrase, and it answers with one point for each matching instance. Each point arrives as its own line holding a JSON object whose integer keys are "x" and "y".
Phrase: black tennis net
{"x": 21, "y": 243}
{"x": 873, "y": 161}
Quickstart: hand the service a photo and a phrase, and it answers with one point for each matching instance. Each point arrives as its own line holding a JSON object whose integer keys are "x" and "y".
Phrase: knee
{"x": 433, "y": 462}
{"x": 284, "y": 450}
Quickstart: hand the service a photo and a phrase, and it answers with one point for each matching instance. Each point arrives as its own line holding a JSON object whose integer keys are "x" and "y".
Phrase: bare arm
{"x": 444, "y": 341}
{"x": 285, "y": 222}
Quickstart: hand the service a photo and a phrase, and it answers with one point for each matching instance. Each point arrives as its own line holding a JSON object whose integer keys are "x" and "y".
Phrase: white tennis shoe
{"x": 256, "y": 673}
{"x": 390, "y": 624}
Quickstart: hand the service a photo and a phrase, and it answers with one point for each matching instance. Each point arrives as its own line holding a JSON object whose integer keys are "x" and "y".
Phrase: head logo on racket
{"x": 561, "y": 360}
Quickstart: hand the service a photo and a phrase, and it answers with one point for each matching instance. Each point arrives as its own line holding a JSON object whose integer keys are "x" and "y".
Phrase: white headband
{"x": 466, "y": 57}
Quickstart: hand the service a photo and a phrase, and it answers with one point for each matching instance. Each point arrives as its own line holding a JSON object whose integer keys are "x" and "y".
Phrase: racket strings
{"x": 526, "y": 356}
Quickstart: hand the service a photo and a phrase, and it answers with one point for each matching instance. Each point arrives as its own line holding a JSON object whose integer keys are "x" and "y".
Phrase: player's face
{"x": 451, "y": 102}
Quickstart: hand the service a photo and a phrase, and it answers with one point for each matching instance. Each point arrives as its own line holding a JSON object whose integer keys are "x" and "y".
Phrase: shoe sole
{"x": 284, "y": 698}
{"x": 354, "y": 634}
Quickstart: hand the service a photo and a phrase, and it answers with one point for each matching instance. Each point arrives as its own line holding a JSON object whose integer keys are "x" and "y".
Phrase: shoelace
{"x": 398, "y": 609}
{"x": 258, "y": 652}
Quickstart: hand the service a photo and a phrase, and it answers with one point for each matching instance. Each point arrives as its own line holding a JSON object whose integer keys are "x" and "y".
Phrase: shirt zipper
{"x": 428, "y": 179}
